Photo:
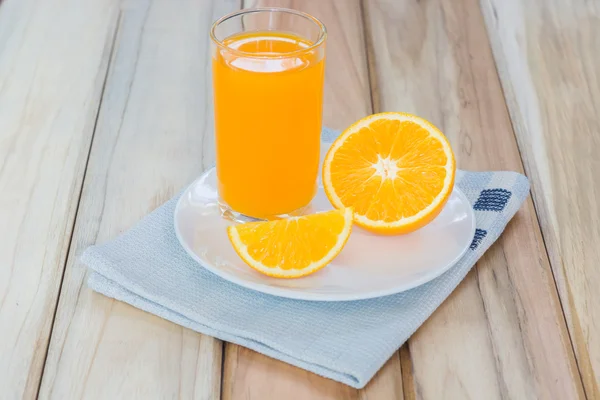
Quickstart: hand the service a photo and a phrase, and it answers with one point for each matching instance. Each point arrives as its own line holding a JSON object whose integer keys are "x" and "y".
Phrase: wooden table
{"x": 105, "y": 113}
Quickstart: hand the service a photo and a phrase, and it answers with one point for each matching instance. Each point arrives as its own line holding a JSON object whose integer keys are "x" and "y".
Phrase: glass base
{"x": 206, "y": 192}
{"x": 228, "y": 213}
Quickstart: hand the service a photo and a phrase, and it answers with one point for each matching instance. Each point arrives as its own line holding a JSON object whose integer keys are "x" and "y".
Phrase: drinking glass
{"x": 268, "y": 72}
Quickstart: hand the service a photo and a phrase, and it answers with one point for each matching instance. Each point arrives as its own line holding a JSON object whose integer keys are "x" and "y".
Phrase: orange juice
{"x": 268, "y": 95}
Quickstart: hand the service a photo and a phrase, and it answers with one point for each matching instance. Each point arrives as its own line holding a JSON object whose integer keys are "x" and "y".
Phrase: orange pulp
{"x": 268, "y": 99}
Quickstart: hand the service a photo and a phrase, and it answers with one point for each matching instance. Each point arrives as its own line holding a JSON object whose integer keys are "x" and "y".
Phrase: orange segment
{"x": 395, "y": 170}
{"x": 294, "y": 247}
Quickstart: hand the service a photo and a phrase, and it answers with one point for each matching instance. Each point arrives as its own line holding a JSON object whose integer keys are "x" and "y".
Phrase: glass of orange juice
{"x": 268, "y": 72}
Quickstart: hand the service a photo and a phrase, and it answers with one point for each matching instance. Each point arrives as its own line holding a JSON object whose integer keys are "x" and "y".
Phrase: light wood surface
{"x": 106, "y": 112}
{"x": 548, "y": 56}
{"x": 503, "y": 324}
{"x": 155, "y": 115}
{"x": 47, "y": 112}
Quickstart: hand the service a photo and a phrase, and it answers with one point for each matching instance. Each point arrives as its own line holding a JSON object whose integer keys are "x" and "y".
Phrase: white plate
{"x": 369, "y": 266}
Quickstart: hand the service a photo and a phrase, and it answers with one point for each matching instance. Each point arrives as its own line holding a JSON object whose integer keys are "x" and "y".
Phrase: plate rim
{"x": 308, "y": 296}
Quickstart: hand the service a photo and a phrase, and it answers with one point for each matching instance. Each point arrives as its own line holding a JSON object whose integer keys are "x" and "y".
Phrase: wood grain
{"x": 153, "y": 136}
{"x": 548, "y": 58}
{"x": 501, "y": 334}
{"x": 47, "y": 113}
{"x": 248, "y": 374}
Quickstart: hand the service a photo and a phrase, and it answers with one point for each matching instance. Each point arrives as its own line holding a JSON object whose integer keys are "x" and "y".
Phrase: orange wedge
{"x": 395, "y": 170}
{"x": 294, "y": 247}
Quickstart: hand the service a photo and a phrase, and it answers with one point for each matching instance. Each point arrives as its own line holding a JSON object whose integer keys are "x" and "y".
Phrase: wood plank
{"x": 248, "y": 374}
{"x": 548, "y": 59}
{"x": 152, "y": 137}
{"x": 502, "y": 333}
{"x": 51, "y": 80}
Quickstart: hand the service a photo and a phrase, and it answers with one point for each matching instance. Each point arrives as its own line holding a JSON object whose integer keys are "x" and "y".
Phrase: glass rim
{"x": 320, "y": 40}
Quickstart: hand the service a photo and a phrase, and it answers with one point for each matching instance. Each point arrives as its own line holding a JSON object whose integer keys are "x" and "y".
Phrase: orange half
{"x": 293, "y": 247}
{"x": 395, "y": 170}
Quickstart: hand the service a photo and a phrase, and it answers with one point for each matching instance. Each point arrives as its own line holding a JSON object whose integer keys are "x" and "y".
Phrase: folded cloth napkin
{"x": 345, "y": 341}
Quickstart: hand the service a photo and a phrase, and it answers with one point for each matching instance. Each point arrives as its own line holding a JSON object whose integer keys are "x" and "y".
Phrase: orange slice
{"x": 294, "y": 247}
{"x": 395, "y": 170}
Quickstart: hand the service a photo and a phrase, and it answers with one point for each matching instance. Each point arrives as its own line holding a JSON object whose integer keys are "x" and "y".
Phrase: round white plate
{"x": 368, "y": 266}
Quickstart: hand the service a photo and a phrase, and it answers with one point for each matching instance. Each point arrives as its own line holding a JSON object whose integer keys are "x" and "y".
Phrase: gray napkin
{"x": 345, "y": 341}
